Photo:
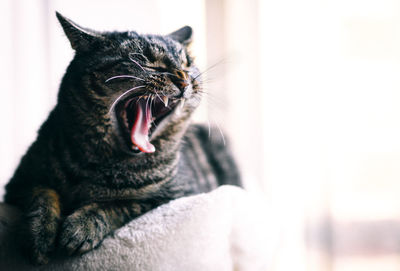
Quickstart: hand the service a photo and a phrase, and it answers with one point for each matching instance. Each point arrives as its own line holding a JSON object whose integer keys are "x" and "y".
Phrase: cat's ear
{"x": 182, "y": 35}
{"x": 79, "y": 37}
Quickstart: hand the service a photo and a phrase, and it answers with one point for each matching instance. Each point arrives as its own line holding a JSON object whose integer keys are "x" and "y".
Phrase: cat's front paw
{"x": 40, "y": 236}
{"x": 80, "y": 233}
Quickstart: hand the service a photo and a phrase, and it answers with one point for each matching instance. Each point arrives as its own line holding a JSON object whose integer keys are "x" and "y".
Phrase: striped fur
{"x": 79, "y": 180}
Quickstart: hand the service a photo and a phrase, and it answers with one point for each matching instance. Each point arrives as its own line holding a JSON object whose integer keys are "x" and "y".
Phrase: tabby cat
{"x": 118, "y": 143}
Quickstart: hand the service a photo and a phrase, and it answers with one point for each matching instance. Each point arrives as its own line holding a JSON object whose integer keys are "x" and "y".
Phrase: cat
{"x": 118, "y": 143}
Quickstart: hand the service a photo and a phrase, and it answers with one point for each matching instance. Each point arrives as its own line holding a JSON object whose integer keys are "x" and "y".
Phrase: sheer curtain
{"x": 25, "y": 96}
{"x": 331, "y": 121}
{"x": 313, "y": 98}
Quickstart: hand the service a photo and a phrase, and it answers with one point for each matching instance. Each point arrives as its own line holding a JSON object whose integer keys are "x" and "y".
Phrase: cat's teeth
{"x": 178, "y": 110}
{"x": 165, "y": 100}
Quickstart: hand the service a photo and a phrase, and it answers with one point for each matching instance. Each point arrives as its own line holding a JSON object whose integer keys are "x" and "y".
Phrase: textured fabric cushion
{"x": 225, "y": 229}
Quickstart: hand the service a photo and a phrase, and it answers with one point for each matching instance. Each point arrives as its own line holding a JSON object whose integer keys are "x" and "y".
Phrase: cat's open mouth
{"x": 139, "y": 116}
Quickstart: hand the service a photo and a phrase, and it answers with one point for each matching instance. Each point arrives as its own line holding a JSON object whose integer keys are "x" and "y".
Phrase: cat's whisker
{"x": 208, "y": 69}
{"x": 207, "y": 81}
{"x": 221, "y": 133}
{"x": 124, "y": 76}
{"x": 159, "y": 97}
{"x": 212, "y": 99}
{"x": 139, "y": 54}
{"x": 162, "y": 92}
{"x": 140, "y": 98}
{"x": 140, "y": 66}
{"x": 153, "y": 122}
{"x": 151, "y": 102}
{"x": 147, "y": 103}
{"x": 122, "y": 95}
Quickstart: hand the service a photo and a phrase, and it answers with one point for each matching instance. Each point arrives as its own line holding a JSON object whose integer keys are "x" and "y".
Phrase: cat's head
{"x": 138, "y": 90}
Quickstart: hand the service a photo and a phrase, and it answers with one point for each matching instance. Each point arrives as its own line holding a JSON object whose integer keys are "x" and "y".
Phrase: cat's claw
{"x": 79, "y": 235}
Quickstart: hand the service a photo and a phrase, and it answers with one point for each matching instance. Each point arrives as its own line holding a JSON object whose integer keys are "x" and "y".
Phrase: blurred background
{"x": 308, "y": 93}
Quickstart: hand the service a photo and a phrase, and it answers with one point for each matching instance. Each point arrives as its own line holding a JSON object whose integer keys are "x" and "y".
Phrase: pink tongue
{"x": 140, "y": 129}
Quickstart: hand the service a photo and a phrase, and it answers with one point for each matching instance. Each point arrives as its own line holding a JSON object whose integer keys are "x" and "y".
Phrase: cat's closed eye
{"x": 156, "y": 68}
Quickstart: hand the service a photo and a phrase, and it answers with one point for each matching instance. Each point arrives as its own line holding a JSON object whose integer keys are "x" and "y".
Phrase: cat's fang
{"x": 165, "y": 100}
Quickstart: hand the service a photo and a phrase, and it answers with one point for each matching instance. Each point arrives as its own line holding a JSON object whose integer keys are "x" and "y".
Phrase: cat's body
{"x": 118, "y": 143}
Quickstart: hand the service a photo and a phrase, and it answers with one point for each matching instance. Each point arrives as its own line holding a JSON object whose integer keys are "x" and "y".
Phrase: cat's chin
{"x": 140, "y": 119}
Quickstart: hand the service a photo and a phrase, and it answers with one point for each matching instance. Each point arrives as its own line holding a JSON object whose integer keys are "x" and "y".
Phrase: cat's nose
{"x": 182, "y": 84}
{"x": 181, "y": 80}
